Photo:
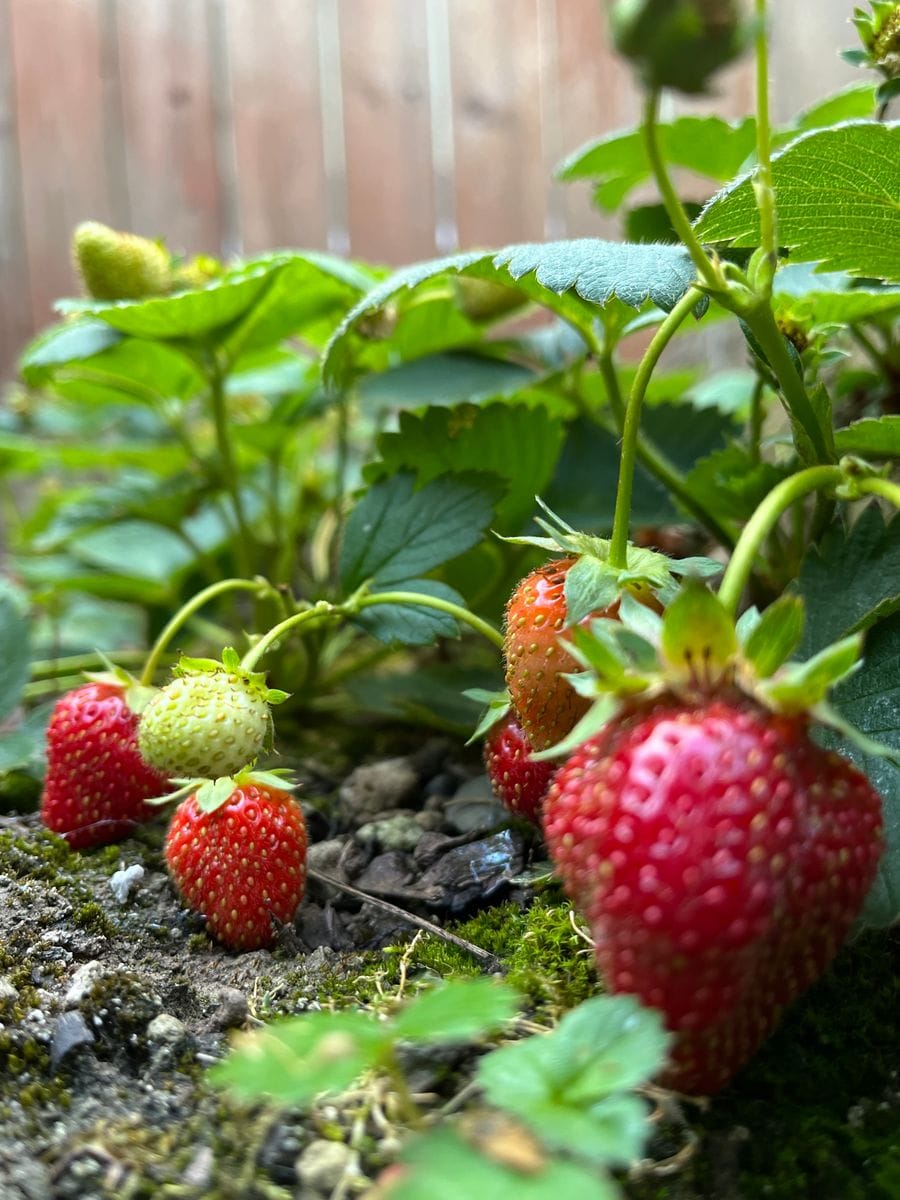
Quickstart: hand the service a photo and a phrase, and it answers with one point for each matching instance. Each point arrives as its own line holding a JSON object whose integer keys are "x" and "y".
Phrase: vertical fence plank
{"x": 387, "y": 134}
{"x": 57, "y": 52}
{"x": 169, "y": 123}
{"x": 501, "y": 180}
{"x": 278, "y": 129}
{"x": 15, "y": 306}
{"x": 807, "y": 36}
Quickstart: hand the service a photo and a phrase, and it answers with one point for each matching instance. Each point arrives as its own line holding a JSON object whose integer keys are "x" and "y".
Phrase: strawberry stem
{"x": 877, "y": 486}
{"x": 618, "y": 548}
{"x": 260, "y": 586}
{"x": 318, "y": 612}
{"x": 763, "y": 521}
{"x": 762, "y": 179}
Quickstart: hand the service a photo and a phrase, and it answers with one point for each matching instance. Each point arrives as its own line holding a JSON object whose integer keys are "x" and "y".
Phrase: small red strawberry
{"x": 237, "y": 854}
{"x": 718, "y": 854}
{"x": 518, "y": 781}
{"x": 97, "y": 781}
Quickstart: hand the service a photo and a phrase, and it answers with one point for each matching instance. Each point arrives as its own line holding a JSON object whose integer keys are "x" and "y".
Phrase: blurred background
{"x": 391, "y": 130}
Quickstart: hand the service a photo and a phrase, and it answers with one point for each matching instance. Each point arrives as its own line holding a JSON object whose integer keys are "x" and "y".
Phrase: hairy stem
{"x": 762, "y": 179}
{"x": 763, "y": 521}
{"x": 618, "y": 550}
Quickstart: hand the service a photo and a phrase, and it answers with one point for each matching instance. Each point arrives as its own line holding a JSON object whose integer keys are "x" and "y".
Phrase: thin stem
{"x": 876, "y": 486}
{"x": 763, "y": 521}
{"x": 762, "y": 181}
{"x": 613, "y": 391}
{"x": 82, "y": 662}
{"x": 187, "y": 611}
{"x": 761, "y": 322}
{"x": 679, "y": 218}
{"x": 418, "y": 600}
{"x": 618, "y": 550}
{"x": 756, "y": 420}
{"x": 229, "y": 465}
{"x": 321, "y": 611}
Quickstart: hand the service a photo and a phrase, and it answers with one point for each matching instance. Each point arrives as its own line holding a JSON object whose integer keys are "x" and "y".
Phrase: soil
{"x": 113, "y": 1004}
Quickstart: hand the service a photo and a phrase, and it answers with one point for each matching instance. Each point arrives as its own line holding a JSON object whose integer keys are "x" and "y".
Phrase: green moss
{"x": 90, "y": 916}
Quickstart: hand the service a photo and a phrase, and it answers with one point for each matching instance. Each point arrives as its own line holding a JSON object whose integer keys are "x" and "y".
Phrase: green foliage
{"x": 853, "y": 223}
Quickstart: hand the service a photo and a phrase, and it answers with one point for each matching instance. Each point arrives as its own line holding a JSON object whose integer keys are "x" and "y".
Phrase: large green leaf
{"x": 572, "y": 278}
{"x": 61, "y": 343}
{"x": 410, "y": 624}
{"x": 618, "y": 162}
{"x": 850, "y": 581}
{"x": 396, "y": 533}
{"x": 517, "y": 443}
{"x": 24, "y": 454}
{"x": 837, "y": 198}
{"x": 133, "y": 369}
{"x": 870, "y": 700}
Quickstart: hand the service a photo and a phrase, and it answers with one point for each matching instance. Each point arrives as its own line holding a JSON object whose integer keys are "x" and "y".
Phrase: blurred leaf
{"x": 395, "y": 533}
{"x": 875, "y": 436}
{"x": 61, "y": 343}
{"x": 850, "y": 580}
{"x": 135, "y": 548}
{"x": 836, "y": 191}
{"x": 457, "y": 1010}
{"x": 431, "y": 695}
{"x": 519, "y": 445}
{"x": 731, "y": 483}
{"x": 829, "y": 298}
{"x": 15, "y": 647}
{"x": 443, "y": 379}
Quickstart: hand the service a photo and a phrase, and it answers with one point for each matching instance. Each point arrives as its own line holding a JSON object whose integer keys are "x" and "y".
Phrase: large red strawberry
{"x": 97, "y": 781}
{"x": 241, "y": 864}
{"x": 719, "y": 855}
{"x": 516, "y": 779}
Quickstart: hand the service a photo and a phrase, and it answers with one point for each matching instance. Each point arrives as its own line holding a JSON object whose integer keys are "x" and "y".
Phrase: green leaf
{"x": 870, "y": 700}
{"x": 518, "y": 444}
{"x": 408, "y": 625}
{"x": 561, "y": 1084}
{"x": 855, "y": 102}
{"x": 851, "y": 580}
{"x": 800, "y": 686}
{"x": 15, "y": 649}
{"x": 432, "y": 695}
{"x": 731, "y": 483}
{"x": 458, "y": 1010}
{"x": 295, "y": 1060}
{"x": 136, "y": 548}
{"x": 61, "y": 343}
{"x": 191, "y": 314}
{"x": 572, "y": 278}
{"x": 807, "y": 295}
{"x": 618, "y": 162}
{"x": 775, "y": 636}
{"x": 442, "y": 1166}
{"x": 396, "y": 533}
{"x": 836, "y": 191}
{"x": 443, "y": 379}
{"x": 876, "y": 437}
{"x": 591, "y": 586}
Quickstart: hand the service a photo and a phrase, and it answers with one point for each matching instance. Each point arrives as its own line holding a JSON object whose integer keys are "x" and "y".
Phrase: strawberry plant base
{"x": 98, "y": 1094}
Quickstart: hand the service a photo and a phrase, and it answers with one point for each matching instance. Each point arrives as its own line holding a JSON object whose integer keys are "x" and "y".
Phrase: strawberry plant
{"x": 293, "y": 465}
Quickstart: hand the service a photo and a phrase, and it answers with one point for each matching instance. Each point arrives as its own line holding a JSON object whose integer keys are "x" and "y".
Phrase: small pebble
{"x": 166, "y": 1030}
{"x": 71, "y": 1032}
{"x": 83, "y": 982}
{"x": 232, "y": 1010}
{"x": 123, "y": 882}
{"x": 323, "y": 1164}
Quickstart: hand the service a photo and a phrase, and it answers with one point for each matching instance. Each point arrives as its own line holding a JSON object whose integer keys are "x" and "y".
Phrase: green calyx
{"x": 253, "y": 681}
{"x": 137, "y": 695}
{"x": 696, "y": 649}
{"x": 495, "y": 707}
{"x": 211, "y": 794}
{"x": 593, "y": 584}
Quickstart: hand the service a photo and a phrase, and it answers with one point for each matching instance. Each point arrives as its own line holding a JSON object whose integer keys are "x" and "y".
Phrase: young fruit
{"x": 212, "y": 720}
{"x": 96, "y": 781}
{"x": 720, "y": 858}
{"x": 120, "y": 266}
{"x": 241, "y": 865}
{"x": 518, "y": 781}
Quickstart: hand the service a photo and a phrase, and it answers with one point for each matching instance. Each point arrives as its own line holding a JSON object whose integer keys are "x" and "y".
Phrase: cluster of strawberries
{"x": 236, "y": 842}
{"x": 718, "y": 854}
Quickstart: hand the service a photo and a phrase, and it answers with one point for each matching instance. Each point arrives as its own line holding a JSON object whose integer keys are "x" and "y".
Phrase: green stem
{"x": 613, "y": 391}
{"x": 618, "y": 549}
{"x": 319, "y": 612}
{"x": 82, "y": 662}
{"x": 761, "y": 322}
{"x": 763, "y": 521}
{"x": 229, "y": 465}
{"x": 762, "y": 180}
{"x": 418, "y": 600}
{"x": 679, "y": 218}
{"x": 756, "y": 420}
{"x": 876, "y": 486}
{"x": 187, "y": 611}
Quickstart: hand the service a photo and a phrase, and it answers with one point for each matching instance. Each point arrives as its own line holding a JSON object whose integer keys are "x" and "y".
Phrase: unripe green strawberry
{"x": 120, "y": 266}
{"x": 212, "y": 720}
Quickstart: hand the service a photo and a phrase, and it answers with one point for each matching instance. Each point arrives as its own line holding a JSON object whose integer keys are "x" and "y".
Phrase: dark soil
{"x": 113, "y": 1002}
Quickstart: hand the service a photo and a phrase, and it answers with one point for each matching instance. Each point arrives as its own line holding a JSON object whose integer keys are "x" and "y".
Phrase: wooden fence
{"x": 390, "y": 129}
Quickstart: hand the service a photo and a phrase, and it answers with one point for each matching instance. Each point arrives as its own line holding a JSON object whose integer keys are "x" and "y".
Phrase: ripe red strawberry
{"x": 520, "y": 783}
{"x": 242, "y": 864}
{"x": 720, "y": 858}
{"x": 546, "y": 705}
{"x": 96, "y": 781}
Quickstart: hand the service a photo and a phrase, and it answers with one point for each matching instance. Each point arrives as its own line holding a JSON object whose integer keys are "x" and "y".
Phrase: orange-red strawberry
{"x": 243, "y": 864}
{"x": 517, "y": 780}
{"x": 545, "y": 704}
{"x": 97, "y": 781}
{"x": 720, "y": 858}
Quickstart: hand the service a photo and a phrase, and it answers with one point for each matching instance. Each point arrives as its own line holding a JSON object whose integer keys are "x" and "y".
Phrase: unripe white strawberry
{"x": 212, "y": 720}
